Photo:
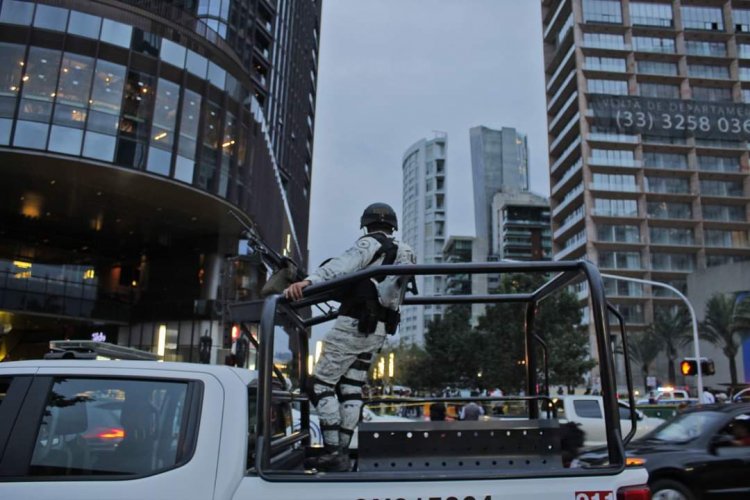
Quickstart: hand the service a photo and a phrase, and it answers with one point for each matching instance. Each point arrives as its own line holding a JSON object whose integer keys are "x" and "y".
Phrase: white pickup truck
{"x": 588, "y": 412}
{"x": 91, "y": 430}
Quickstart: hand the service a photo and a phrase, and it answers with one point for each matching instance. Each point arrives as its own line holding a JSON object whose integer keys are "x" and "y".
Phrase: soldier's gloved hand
{"x": 294, "y": 291}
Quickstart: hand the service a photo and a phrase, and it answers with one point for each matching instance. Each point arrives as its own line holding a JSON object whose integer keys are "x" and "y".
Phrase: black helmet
{"x": 379, "y": 213}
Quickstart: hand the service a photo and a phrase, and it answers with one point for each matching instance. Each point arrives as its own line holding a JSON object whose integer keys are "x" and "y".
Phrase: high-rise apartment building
{"x": 423, "y": 225}
{"x": 499, "y": 160}
{"x": 521, "y": 226}
{"x": 648, "y": 139}
{"x": 129, "y": 130}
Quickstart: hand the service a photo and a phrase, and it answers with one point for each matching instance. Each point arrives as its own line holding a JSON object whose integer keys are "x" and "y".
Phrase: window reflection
{"x": 65, "y": 140}
{"x": 211, "y": 144}
{"x": 116, "y": 33}
{"x": 11, "y": 60}
{"x": 30, "y": 134}
{"x": 191, "y": 108}
{"x": 84, "y": 24}
{"x": 228, "y": 148}
{"x": 106, "y": 97}
{"x": 51, "y": 18}
{"x": 38, "y": 80}
{"x": 165, "y": 114}
{"x": 99, "y": 146}
{"x": 73, "y": 89}
{"x": 137, "y": 105}
{"x": 17, "y": 12}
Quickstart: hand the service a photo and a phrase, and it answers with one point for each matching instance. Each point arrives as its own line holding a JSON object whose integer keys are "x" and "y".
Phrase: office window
{"x": 612, "y": 156}
{"x": 39, "y": 84}
{"x": 615, "y": 87}
{"x": 671, "y": 236}
{"x": 670, "y": 185}
{"x": 703, "y": 48}
{"x": 11, "y": 60}
{"x": 138, "y": 100}
{"x": 662, "y": 90}
{"x": 669, "y": 210}
{"x": 651, "y": 14}
{"x": 743, "y": 50}
{"x": 116, "y": 33}
{"x": 702, "y": 18}
{"x": 604, "y": 40}
{"x": 657, "y": 68}
{"x": 708, "y": 71}
{"x": 712, "y": 94}
{"x": 727, "y": 213}
{"x": 106, "y": 97}
{"x": 744, "y": 73}
{"x": 606, "y": 63}
{"x": 721, "y": 188}
{"x": 741, "y": 20}
{"x": 602, "y": 11}
{"x": 619, "y": 233}
{"x": 165, "y": 114}
{"x": 654, "y": 44}
{"x": 73, "y": 90}
{"x": 615, "y": 208}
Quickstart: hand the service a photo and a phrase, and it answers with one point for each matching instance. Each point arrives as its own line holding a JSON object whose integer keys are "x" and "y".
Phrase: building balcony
{"x": 569, "y": 225}
{"x": 566, "y": 134}
{"x": 614, "y": 162}
{"x": 567, "y": 64}
{"x": 566, "y": 111}
{"x": 568, "y": 156}
{"x": 621, "y": 188}
{"x": 569, "y": 174}
{"x": 572, "y": 251}
{"x": 613, "y": 138}
{"x": 571, "y": 197}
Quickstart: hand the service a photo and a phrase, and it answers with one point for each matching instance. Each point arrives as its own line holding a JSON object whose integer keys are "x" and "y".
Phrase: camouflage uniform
{"x": 345, "y": 360}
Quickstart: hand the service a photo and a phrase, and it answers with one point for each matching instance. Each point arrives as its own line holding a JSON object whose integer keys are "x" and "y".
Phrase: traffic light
{"x": 689, "y": 367}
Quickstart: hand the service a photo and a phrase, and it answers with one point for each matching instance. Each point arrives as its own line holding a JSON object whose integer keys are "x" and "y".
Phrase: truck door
{"x": 80, "y": 435}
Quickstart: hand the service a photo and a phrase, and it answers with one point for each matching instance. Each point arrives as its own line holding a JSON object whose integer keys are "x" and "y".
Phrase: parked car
{"x": 699, "y": 454}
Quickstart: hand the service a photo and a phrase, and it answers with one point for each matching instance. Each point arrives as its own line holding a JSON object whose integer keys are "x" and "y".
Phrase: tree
{"x": 451, "y": 347}
{"x": 557, "y": 322}
{"x": 643, "y": 349}
{"x": 672, "y": 329}
{"x": 725, "y": 320}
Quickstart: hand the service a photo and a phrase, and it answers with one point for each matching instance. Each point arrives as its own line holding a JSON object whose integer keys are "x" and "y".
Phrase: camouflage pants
{"x": 339, "y": 376}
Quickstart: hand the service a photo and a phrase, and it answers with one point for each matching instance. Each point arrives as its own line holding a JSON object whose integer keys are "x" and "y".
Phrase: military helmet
{"x": 379, "y": 213}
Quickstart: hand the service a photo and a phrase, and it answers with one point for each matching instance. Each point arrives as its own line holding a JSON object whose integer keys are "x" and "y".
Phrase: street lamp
{"x": 696, "y": 345}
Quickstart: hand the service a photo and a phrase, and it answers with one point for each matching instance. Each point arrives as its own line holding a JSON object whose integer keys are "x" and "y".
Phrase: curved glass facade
{"x": 133, "y": 99}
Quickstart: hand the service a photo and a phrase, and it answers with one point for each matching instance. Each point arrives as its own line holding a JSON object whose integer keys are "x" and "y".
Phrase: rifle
{"x": 284, "y": 268}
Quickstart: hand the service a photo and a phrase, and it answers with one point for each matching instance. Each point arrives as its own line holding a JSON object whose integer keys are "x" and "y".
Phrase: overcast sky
{"x": 394, "y": 71}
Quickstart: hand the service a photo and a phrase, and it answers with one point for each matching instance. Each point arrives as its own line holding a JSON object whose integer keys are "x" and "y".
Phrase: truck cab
{"x": 91, "y": 429}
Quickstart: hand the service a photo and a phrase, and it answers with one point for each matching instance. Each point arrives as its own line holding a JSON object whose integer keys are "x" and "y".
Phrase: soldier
{"x": 369, "y": 311}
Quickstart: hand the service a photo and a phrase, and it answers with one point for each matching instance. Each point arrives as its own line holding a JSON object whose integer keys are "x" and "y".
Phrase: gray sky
{"x": 392, "y": 72}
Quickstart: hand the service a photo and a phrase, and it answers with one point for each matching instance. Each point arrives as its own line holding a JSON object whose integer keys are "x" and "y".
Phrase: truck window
{"x": 587, "y": 408}
{"x": 110, "y": 427}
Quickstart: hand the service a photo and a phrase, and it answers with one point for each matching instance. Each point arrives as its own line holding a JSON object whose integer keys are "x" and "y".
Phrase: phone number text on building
{"x": 671, "y": 117}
